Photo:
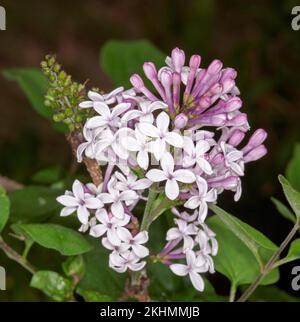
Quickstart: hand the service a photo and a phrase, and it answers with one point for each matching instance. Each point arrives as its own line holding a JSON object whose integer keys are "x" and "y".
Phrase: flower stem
{"x": 13, "y": 255}
{"x": 270, "y": 264}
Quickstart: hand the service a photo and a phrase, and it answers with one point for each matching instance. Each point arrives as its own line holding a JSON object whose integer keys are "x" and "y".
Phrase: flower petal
{"x": 98, "y": 230}
{"x": 172, "y": 189}
{"x": 67, "y": 201}
{"x": 174, "y": 139}
{"x": 83, "y": 214}
{"x": 162, "y": 122}
{"x": 156, "y": 175}
{"x": 66, "y": 211}
{"x": 102, "y": 109}
{"x": 78, "y": 190}
{"x": 185, "y": 176}
{"x": 197, "y": 281}
{"x": 140, "y": 250}
{"x": 179, "y": 269}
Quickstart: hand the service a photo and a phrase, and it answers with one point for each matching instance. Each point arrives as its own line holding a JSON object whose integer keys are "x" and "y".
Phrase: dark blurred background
{"x": 255, "y": 37}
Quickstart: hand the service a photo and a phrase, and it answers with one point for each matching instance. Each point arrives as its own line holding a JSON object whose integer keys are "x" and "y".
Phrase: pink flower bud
{"x": 178, "y": 58}
{"x": 233, "y": 104}
{"x": 137, "y": 82}
{"x": 226, "y": 183}
{"x": 218, "y": 159}
{"x": 258, "y": 137}
{"x": 236, "y": 138}
{"x": 166, "y": 78}
{"x": 238, "y": 120}
{"x": 214, "y": 67}
{"x": 150, "y": 70}
{"x": 256, "y": 153}
{"x": 229, "y": 73}
{"x": 204, "y": 102}
{"x": 195, "y": 61}
{"x": 181, "y": 121}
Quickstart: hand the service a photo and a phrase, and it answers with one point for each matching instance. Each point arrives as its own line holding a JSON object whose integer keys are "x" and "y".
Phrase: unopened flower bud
{"x": 236, "y": 138}
{"x": 256, "y": 153}
{"x": 178, "y": 58}
{"x": 214, "y": 67}
{"x": 137, "y": 82}
{"x": 150, "y": 70}
{"x": 181, "y": 121}
{"x": 195, "y": 61}
{"x": 233, "y": 104}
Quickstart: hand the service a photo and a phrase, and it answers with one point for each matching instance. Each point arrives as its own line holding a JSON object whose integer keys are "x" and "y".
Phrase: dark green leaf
{"x": 98, "y": 276}
{"x": 121, "y": 59}
{"x": 293, "y": 168}
{"x": 48, "y": 175}
{"x": 235, "y": 260}
{"x": 53, "y": 285}
{"x": 94, "y": 296}
{"x": 283, "y": 210}
{"x": 34, "y": 85}
{"x": 33, "y": 204}
{"x": 271, "y": 294}
{"x": 4, "y": 208}
{"x": 292, "y": 195}
{"x": 65, "y": 240}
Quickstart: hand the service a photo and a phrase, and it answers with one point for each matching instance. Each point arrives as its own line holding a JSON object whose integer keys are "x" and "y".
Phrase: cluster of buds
{"x": 181, "y": 142}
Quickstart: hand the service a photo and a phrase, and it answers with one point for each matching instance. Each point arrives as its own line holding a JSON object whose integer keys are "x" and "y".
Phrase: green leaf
{"x": 48, "y": 175}
{"x": 74, "y": 267}
{"x": 254, "y": 240}
{"x": 98, "y": 276}
{"x": 283, "y": 210}
{"x": 94, "y": 296}
{"x": 33, "y": 204}
{"x": 4, "y": 208}
{"x": 121, "y": 59}
{"x": 293, "y": 253}
{"x": 34, "y": 85}
{"x": 65, "y": 240}
{"x": 53, "y": 285}
{"x": 271, "y": 294}
{"x": 292, "y": 195}
{"x": 235, "y": 259}
{"x": 293, "y": 168}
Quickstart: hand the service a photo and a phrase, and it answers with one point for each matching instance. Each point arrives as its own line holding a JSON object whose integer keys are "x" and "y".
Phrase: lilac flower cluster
{"x": 181, "y": 141}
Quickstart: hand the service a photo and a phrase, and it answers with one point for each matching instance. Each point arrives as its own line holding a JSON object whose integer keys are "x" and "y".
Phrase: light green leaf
{"x": 254, "y": 240}
{"x": 65, "y": 240}
{"x": 98, "y": 276}
{"x": 271, "y": 294}
{"x": 235, "y": 259}
{"x": 293, "y": 168}
{"x": 121, "y": 59}
{"x": 33, "y": 204}
{"x": 292, "y": 195}
{"x": 283, "y": 210}
{"x": 74, "y": 267}
{"x": 293, "y": 253}
{"x": 53, "y": 285}
{"x": 34, "y": 85}
{"x": 94, "y": 296}
{"x": 4, "y": 208}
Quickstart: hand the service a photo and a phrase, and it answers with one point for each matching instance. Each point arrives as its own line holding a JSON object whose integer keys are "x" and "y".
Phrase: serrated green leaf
{"x": 4, "y": 208}
{"x": 65, "y": 240}
{"x": 121, "y": 59}
{"x": 33, "y": 204}
{"x": 94, "y": 296}
{"x": 283, "y": 210}
{"x": 292, "y": 195}
{"x": 293, "y": 168}
{"x": 235, "y": 259}
{"x": 53, "y": 285}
